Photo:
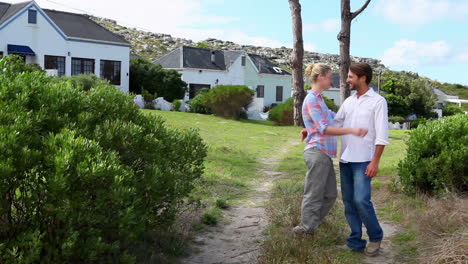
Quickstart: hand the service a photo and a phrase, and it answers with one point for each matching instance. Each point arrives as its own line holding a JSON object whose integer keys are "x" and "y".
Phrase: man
{"x": 320, "y": 182}
{"x": 360, "y": 157}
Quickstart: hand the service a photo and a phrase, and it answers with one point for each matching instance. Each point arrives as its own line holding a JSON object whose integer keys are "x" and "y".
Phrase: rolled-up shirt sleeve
{"x": 381, "y": 123}
{"x": 318, "y": 116}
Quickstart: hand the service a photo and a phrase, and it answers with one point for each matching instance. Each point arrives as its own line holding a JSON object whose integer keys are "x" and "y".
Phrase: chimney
{"x": 213, "y": 56}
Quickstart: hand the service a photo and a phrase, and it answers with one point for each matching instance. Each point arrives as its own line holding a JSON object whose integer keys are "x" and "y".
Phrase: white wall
{"x": 43, "y": 39}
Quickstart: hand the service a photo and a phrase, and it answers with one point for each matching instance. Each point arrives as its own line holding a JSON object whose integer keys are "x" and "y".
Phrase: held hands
{"x": 360, "y": 132}
{"x": 303, "y": 134}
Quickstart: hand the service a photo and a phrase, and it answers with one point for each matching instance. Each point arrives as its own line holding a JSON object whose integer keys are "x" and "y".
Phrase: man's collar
{"x": 369, "y": 92}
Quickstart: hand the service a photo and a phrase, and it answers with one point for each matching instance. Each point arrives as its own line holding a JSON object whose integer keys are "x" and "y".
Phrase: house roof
{"x": 266, "y": 66}
{"x": 80, "y": 26}
{"x": 198, "y": 58}
{"x": 73, "y": 25}
{"x": 8, "y": 10}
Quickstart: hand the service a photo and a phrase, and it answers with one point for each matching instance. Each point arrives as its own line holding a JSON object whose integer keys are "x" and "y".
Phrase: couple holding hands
{"x": 362, "y": 121}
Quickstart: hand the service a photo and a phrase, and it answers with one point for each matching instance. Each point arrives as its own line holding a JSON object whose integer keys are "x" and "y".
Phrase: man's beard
{"x": 353, "y": 87}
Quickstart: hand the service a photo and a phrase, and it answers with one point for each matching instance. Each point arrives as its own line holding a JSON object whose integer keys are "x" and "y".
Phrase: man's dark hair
{"x": 362, "y": 69}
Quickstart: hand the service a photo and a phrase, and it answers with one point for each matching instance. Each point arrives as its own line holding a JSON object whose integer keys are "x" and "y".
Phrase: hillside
{"x": 153, "y": 45}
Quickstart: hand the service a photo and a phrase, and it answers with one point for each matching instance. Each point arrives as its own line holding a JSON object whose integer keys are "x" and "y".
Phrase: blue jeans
{"x": 356, "y": 191}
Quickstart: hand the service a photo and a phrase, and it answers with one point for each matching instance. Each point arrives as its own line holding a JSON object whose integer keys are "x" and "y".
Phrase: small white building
{"x": 63, "y": 43}
{"x": 204, "y": 68}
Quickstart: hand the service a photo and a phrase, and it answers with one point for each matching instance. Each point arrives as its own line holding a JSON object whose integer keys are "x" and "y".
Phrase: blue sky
{"x": 425, "y": 36}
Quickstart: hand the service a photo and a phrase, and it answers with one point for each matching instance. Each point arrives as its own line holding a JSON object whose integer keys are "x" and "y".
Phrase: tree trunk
{"x": 296, "y": 59}
{"x": 344, "y": 38}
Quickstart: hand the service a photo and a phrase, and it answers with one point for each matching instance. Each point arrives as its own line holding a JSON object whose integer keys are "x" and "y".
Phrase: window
{"x": 56, "y": 63}
{"x": 1, "y": 54}
{"x": 279, "y": 93}
{"x": 82, "y": 66}
{"x": 110, "y": 70}
{"x": 260, "y": 91}
{"x": 243, "y": 60}
{"x": 32, "y": 16}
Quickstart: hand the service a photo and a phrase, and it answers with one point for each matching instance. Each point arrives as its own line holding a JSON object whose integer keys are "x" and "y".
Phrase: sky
{"x": 429, "y": 37}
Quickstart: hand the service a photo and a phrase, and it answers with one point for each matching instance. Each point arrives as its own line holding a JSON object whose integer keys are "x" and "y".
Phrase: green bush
{"x": 85, "y": 81}
{"x": 417, "y": 122}
{"x": 199, "y": 103}
{"x": 394, "y": 119}
{"x": 84, "y": 174}
{"x": 148, "y": 98}
{"x": 155, "y": 79}
{"x": 177, "y": 104}
{"x": 229, "y": 101}
{"x": 436, "y": 158}
{"x": 283, "y": 114}
{"x": 451, "y": 109}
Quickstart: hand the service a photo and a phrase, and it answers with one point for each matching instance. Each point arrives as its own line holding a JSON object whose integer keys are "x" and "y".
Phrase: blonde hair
{"x": 312, "y": 71}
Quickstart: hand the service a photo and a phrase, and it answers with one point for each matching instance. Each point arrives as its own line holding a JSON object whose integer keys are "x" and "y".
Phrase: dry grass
{"x": 440, "y": 225}
{"x": 449, "y": 249}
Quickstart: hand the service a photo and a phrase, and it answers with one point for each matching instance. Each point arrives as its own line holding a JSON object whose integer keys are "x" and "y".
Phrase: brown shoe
{"x": 301, "y": 231}
{"x": 372, "y": 249}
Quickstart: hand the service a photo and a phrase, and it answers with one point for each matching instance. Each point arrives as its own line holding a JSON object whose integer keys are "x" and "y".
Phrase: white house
{"x": 204, "y": 68}
{"x": 63, "y": 43}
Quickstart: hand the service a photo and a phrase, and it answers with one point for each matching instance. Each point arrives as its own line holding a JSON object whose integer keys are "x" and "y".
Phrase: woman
{"x": 320, "y": 182}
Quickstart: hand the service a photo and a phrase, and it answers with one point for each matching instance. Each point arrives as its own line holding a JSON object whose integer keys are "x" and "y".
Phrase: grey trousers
{"x": 319, "y": 190}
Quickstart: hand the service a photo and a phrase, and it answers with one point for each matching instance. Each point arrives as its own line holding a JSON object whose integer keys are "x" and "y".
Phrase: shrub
{"x": 283, "y": 114}
{"x": 417, "y": 122}
{"x": 84, "y": 81}
{"x": 330, "y": 104}
{"x": 199, "y": 103}
{"x": 148, "y": 98}
{"x": 436, "y": 158}
{"x": 451, "y": 109}
{"x": 166, "y": 83}
{"x": 395, "y": 119}
{"x": 229, "y": 101}
{"x": 84, "y": 174}
{"x": 177, "y": 104}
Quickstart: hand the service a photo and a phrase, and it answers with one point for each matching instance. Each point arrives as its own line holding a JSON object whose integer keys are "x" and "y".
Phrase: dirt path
{"x": 238, "y": 238}
{"x": 387, "y": 253}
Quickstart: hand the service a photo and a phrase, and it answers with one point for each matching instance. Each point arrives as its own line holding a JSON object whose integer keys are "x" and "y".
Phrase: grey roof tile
{"x": 198, "y": 58}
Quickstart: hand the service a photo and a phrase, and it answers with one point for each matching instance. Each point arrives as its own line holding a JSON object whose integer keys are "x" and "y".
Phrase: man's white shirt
{"x": 366, "y": 111}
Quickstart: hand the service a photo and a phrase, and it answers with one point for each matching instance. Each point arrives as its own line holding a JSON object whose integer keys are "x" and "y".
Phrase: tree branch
{"x": 359, "y": 11}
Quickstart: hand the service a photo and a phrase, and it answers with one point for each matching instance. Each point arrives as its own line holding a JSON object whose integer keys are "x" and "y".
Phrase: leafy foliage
{"x": 84, "y": 174}
{"x": 84, "y": 81}
{"x": 283, "y": 114}
{"x": 199, "y": 104}
{"x": 436, "y": 158}
{"x": 229, "y": 101}
{"x": 155, "y": 79}
{"x": 451, "y": 109}
{"x": 410, "y": 94}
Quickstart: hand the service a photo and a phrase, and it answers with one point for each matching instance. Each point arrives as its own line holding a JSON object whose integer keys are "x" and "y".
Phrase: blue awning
{"x": 20, "y": 50}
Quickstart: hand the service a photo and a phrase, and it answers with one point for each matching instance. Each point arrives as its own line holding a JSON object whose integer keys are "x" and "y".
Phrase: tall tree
{"x": 345, "y": 39}
{"x": 296, "y": 59}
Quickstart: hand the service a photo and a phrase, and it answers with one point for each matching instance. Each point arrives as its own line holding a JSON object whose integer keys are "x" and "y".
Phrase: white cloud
{"x": 411, "y": 53}
{"x": 327, "y": 25}
{"x": 420, "y": 12}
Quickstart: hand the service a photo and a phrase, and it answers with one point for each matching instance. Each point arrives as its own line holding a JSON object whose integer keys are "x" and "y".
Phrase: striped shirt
{"x": 317, "y": 117}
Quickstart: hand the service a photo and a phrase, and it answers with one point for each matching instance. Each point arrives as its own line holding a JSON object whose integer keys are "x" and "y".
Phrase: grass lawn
{"x": 235, "y": 150}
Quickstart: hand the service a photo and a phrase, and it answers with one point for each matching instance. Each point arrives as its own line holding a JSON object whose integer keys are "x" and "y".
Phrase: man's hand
{"x": 360, "y": 132}
{"x": 372, "y": 169}
{"x": 303, "y": 134}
